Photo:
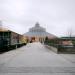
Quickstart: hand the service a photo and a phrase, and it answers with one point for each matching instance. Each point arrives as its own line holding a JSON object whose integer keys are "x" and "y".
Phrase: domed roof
{"x": 37, "y": 28}
{"x": 38, "y": 31}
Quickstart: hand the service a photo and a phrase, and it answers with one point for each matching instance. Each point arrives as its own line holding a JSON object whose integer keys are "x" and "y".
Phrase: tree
{"x": 46, "y": 40}
{"x": 70, "y": 32}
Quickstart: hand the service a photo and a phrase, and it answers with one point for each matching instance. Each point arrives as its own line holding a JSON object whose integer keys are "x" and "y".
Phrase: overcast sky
{"x": 57, "y": 16}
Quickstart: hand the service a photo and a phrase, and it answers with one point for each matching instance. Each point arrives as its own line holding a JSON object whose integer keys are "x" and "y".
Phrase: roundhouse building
{"x": 38, "y": 34}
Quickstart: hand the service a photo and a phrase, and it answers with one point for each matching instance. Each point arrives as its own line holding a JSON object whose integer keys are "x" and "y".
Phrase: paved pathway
{"x": 35, "y": 59}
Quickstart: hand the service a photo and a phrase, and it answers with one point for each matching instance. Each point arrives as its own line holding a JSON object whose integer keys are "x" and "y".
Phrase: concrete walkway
{"x": 35, "y": 59}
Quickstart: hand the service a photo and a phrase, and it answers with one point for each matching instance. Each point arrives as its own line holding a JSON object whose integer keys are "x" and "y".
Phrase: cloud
{"x": 57, "y": 16}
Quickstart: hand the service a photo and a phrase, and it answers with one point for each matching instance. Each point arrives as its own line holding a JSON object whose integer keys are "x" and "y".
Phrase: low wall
{"x": 62, "y": 49}
{"x": 52, "y": 48}
{"x": 66, "y": 49}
